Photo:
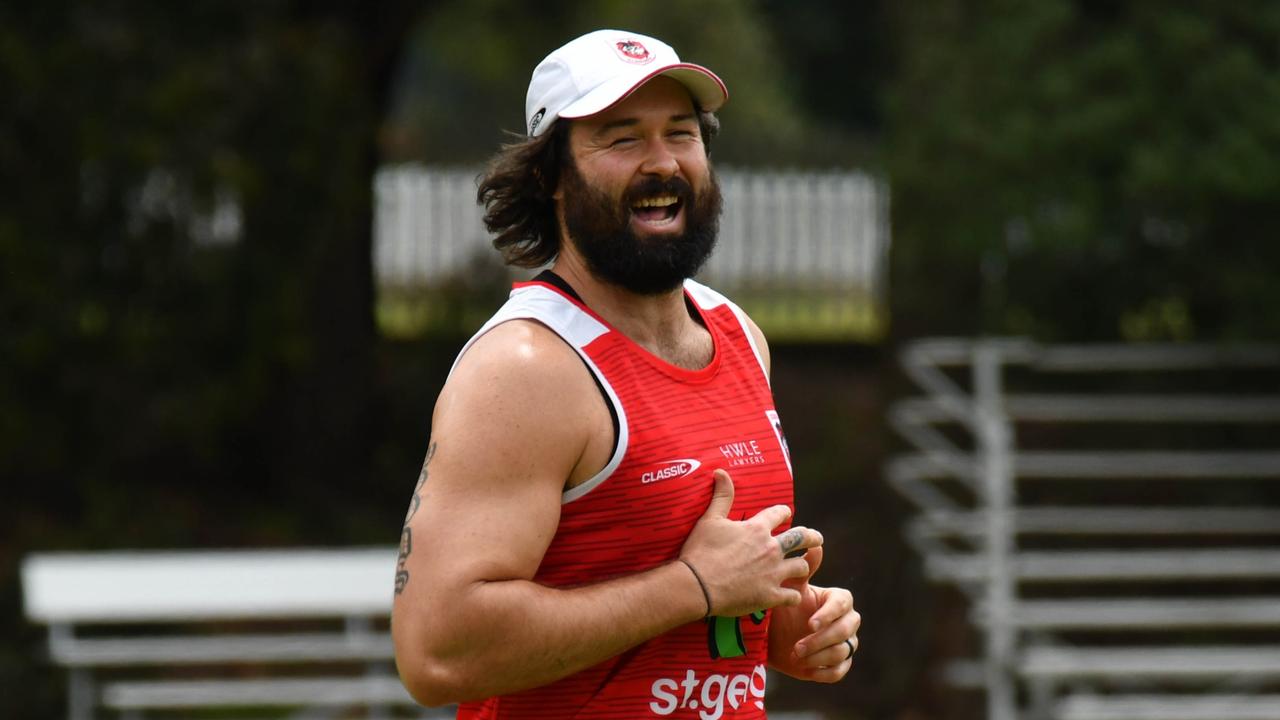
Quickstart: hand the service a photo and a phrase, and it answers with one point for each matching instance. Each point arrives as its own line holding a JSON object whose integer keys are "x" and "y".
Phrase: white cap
{"x": 592, "y": 73}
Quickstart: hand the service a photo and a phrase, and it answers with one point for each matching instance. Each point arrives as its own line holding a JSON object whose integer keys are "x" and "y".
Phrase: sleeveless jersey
{"x": 674, "y": 428}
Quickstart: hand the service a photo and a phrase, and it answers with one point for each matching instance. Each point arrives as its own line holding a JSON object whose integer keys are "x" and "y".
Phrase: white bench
{"x": 159, "y": 632}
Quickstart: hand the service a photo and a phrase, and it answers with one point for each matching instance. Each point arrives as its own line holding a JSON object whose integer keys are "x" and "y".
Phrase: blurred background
{"x": 198, "y": 349}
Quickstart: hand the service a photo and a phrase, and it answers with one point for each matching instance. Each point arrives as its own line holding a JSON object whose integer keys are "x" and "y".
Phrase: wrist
{"x": 701, "y": 594}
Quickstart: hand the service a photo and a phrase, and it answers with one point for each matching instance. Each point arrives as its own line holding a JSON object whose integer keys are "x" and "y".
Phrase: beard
{"x": 600, "y": 228}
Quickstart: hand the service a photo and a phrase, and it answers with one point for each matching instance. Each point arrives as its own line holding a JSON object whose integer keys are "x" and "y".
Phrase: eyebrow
{"x": 629, "y": 122}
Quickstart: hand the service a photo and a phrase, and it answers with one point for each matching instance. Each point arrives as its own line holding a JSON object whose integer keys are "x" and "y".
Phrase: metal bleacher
{"x": 1112, "y": 514}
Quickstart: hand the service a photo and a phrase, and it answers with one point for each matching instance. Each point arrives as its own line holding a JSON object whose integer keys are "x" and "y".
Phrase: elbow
{"x": 438, "y": 657}
{"x": 432, "y": 677}
{"x": 429, "y": 681}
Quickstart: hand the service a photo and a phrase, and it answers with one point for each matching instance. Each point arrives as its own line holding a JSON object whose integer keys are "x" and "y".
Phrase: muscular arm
{"x": 519, "y": 418}
{"x": 509, "y": 430}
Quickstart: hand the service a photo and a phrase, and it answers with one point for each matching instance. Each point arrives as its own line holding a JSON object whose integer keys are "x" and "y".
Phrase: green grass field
{"x": 802, "y": 315}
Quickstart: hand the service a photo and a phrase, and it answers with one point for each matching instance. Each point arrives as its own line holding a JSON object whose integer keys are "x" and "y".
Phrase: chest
{"x": 674, "y": 432}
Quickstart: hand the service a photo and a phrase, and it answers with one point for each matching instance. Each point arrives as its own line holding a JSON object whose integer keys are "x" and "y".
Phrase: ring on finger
{"x": 849, "y": 642}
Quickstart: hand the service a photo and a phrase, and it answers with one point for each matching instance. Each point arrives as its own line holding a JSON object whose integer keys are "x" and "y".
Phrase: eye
{"x": 622, "y": 141}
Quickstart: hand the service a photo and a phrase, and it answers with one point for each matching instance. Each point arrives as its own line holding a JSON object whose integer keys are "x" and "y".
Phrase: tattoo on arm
{"x": 406, "y": 534}
{"x": 406, "y": 547}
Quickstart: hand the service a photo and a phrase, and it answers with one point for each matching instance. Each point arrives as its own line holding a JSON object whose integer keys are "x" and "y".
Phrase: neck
{"x": 661, "y": 324}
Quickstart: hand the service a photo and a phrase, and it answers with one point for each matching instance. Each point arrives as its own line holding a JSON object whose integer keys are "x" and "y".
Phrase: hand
{"x": 808, "y": 641}
{"x": 741, "y": 563}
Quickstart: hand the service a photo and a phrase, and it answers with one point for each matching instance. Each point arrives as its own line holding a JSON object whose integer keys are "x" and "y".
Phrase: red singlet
{"x": 675, "y": 427}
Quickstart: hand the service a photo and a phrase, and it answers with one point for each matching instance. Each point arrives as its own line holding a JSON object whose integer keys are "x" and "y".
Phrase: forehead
{"x": 659, "y": 99}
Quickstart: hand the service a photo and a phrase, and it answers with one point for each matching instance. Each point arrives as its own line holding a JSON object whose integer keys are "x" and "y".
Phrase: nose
{"x": 659, "y": 161}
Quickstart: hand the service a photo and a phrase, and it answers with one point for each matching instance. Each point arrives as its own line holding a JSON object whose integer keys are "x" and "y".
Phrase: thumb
{"x": 813, "y": 556}
{"x": 721, "y": 496}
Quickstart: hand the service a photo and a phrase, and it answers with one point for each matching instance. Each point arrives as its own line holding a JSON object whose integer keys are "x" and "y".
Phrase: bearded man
{"x": 602, "y": 523}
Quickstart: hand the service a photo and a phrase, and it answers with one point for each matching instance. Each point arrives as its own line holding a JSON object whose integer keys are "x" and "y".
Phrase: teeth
{"x": 662, "y": 201}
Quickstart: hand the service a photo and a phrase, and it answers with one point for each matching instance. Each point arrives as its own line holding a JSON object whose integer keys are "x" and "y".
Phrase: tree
{"x": 468, "y": 67}
{"x": 1087, "y": 170}
{"x": 185, "y": 284}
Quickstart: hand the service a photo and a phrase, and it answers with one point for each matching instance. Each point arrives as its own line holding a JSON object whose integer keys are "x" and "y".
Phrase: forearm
{"x": 497, "y": 637}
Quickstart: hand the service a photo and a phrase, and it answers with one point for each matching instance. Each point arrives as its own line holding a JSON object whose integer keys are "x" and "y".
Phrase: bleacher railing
{"x": 1113, "y": 516}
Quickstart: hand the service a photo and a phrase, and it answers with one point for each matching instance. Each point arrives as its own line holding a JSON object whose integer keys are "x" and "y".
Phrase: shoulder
{"x": 517, "y": 360}
{"x": 761, "y": 344}
{"x": 709, "y": 298}
{"x": 520, "y": 393}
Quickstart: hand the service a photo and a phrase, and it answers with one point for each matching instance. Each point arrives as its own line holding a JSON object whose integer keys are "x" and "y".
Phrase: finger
{"x": 837, "y": 632}
{"x": 814, "y": 558}
{"x": 772, "y": 516}
{"x": 830, "y": 674}
{"x": 721, "y": 496}
{"x": 795, "y": 569}
{"x": 785, "y": 596}
{"x": 836, "y": 603}
{"x": 829, "y": 656}
{"x": 798, "y": 538}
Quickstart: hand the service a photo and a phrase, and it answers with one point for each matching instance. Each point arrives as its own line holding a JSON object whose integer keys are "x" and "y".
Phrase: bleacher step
{"x": 1152, "y": 613}
{"x": 1117, "y": 565}
{"x": 1107, "y": 520}
{"x": 1169, "y": 707}
{"x": 1168, "y": 663}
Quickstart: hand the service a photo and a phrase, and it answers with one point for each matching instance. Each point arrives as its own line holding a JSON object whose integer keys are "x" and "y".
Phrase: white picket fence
{"x": 779, "y": 230}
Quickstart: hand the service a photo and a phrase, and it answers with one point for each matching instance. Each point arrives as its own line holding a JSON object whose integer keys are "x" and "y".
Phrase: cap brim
{"x": 707, "y": 89}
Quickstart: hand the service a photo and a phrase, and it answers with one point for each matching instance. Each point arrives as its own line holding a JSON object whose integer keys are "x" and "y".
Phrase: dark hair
{"x": 516, "y": 191}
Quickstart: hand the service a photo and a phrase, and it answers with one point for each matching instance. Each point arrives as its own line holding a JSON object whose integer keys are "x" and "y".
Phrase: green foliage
{"x": 185, "y": 290}
{"x": 180, "y": 182}
{"x": 469, "y": 63}
{"x": 1067, "y": 169}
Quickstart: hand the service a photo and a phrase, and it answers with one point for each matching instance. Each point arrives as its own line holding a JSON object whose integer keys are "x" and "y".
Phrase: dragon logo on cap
{"x": 633, "y": 51}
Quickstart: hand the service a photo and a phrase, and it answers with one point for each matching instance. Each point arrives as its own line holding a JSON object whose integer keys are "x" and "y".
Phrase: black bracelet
{"x": 705, "y": 595}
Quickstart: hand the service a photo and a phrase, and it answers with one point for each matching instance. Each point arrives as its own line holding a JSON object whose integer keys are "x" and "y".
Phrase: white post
{"x": 995, "y": 446}
{"x": 359, "y": 628}
{"x": 80, "y": 685}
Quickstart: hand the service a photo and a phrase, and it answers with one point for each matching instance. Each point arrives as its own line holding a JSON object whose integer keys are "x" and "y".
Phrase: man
{"x": 593, "y": 531}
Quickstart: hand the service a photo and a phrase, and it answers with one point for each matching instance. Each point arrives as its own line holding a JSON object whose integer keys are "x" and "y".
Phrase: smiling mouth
{"x": 657, "y": 211}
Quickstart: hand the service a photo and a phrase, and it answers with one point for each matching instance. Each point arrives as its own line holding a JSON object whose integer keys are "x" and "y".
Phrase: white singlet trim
{"x": 707, "y": 298}
{"x": 578, "y": 329}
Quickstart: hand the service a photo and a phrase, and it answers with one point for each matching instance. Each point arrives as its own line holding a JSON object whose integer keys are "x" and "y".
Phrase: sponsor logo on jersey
{"x": 670, "y": 469}
{"x": 776, "y": 423}
{"x": 743, "y": 452}
{"x": 708, "y": 695}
